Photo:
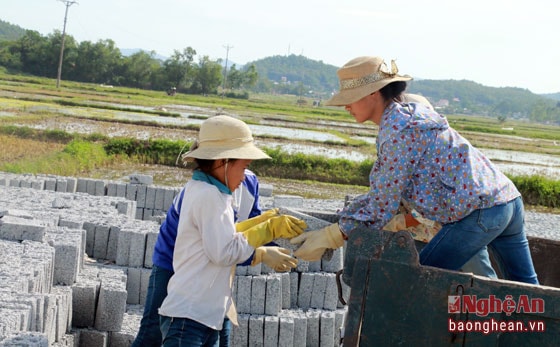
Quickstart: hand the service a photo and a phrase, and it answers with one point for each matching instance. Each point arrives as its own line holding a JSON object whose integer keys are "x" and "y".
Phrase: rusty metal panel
{"x": 394, "y": 301}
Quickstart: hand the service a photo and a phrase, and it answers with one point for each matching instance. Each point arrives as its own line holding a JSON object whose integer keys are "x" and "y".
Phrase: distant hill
{"x": 299, "y": 75}
{"x": 130, "y": 51}
{"x": 10, "y": 32}
{"x": 294, "y": 70}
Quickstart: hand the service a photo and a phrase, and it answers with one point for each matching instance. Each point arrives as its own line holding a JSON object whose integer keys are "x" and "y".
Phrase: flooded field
{"x": 318, "y": 137}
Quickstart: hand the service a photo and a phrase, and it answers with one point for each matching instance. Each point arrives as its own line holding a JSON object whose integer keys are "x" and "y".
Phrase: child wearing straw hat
{"x": 209, "y": 243}
{"x": 435, "y": 170}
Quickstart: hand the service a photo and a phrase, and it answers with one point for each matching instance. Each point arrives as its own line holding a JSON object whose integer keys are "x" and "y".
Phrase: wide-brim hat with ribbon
{"x": 224, "y": 137}
{"x": 362, "y": 76}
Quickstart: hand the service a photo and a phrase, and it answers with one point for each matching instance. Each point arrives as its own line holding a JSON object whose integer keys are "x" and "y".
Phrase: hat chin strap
{"x": 225, "y": 173}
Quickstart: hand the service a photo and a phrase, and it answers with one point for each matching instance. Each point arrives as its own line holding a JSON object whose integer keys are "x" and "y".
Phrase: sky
{"x": 496, "y": 43}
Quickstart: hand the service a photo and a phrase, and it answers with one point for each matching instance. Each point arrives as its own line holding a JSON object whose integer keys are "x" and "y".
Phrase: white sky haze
{"x": 496, "y": 43}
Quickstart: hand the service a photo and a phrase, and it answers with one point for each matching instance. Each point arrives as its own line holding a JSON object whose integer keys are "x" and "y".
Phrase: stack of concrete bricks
{"x": 96, "y": 249}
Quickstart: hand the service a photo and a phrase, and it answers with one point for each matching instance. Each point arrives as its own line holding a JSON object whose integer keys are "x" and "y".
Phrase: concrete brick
{"x": 258, "y": 294}
{"x": 111, "y": 306}
{"x": 121, "y": 190}
{"x": 90, "y": 186}
{"x": 100, "y": 241}
{"x": 300, "y": 329}
{"x": 271, "y": 327}
{"x": 113, "y": 242}
{"x": 159, "y": 199}
{"x": 150, "y": 197}
{"x": 254, "y": 270}
{"x": 50, "y": 184}
{"x": 305, "y": 290}
{"x": 84, "y": 302}
{"x": 240, "y": 333}
{"x": 151, "y": 239}
{"x": 100, "y": 188}
{"x": 71, "y": 184}
{"x": 131, "y": 191}
{"x": 256, "y": 331}
{"x": 286, "y": 332}
{"x": 244, "y": 294}
{"x": 273, "y": 300}
{"x": 89, "y": 227}
{"x": 327, "y": 329}
{"x": 61, "y": 185}
{"x": 133, "y": 279}
{"x": 137, "y": 249}
{"x": 144, "y": 283}
{"x": 286, "y": 296}
{"x": 294, "y": 285}
{"x": 313, "y": 323}
{"x": 168, "y": 198}
{"x": 81, "y": 186}
{"x": 19, "y": 229}
{"x": 318, "y": 291}
{"x": 331, "y": 292}
{"x": 141, "y": 179}
{"x": 141, "y": 196}
{"x": 339, "y": 321}
{"x": 93, "y": 338}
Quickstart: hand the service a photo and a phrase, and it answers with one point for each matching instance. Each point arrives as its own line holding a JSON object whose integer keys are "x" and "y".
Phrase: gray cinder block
{"x": 286, "y": 296}
{"x": 313, "y": 322}
{"x": 273, "y": 301}
{"x": 305, "y": 290}
{"x": 240, "y": 333}
{"x": 244, "y": 294}
{"x": 271, "y": 325}
{"x": 327, "y": 329}
{"x": 131, "y": 191}
{"x": 256, "y": 330}
{"x": 133, "y": 279}
{"x": 84, "y": 299}
{"x": 258, "y": 294}
{"x": 294, "y": 285}
{"x": 110, "y": 307}
{"x": 100, "y": 241}
{"x": 331, "y": 292}
{"x": 286, "y": 332}
{"x": 300, "y": 329}
{"x": 150, "y": 197}
{"x": 19, "y": 229}
{"x": 318, "y": 291}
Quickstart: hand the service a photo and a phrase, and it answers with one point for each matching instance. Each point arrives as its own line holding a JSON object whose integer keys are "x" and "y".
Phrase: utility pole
{"x": 67, "y": 3}
{"x": 227, "y": 47}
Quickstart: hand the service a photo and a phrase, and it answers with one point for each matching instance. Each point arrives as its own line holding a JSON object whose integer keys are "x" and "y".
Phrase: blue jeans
{"x": 150, "y": 333}
{"x": 185, "y": 332}
{"x": 480, "y": 264}
{"x": 502, "y": 228}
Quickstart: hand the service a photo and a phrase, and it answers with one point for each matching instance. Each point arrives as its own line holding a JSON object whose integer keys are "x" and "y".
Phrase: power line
{"x": 67, "y": 3}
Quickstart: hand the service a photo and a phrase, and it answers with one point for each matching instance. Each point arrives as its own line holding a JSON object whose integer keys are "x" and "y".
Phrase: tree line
{"x": 102, "y": 62}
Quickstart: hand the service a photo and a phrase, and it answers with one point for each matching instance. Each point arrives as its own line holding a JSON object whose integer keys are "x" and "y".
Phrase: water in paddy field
{"x": 511, "y": 162}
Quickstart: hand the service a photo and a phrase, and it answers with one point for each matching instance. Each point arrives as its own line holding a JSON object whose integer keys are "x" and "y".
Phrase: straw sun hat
{"x": 224, "y": 137}
{"x": 362, "y": 76}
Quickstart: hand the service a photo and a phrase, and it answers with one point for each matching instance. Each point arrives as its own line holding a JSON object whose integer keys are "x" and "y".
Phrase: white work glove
{"x": 275, "y": 257}
{"x": 316, "y": 242}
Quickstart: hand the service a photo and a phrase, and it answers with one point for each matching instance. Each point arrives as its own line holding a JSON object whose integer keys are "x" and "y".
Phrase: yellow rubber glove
{"x": 316, "y": 242}
{"x": 251, "y": 222}
{"x": 277, "y": 258}
{"x": 283, "y": 226}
